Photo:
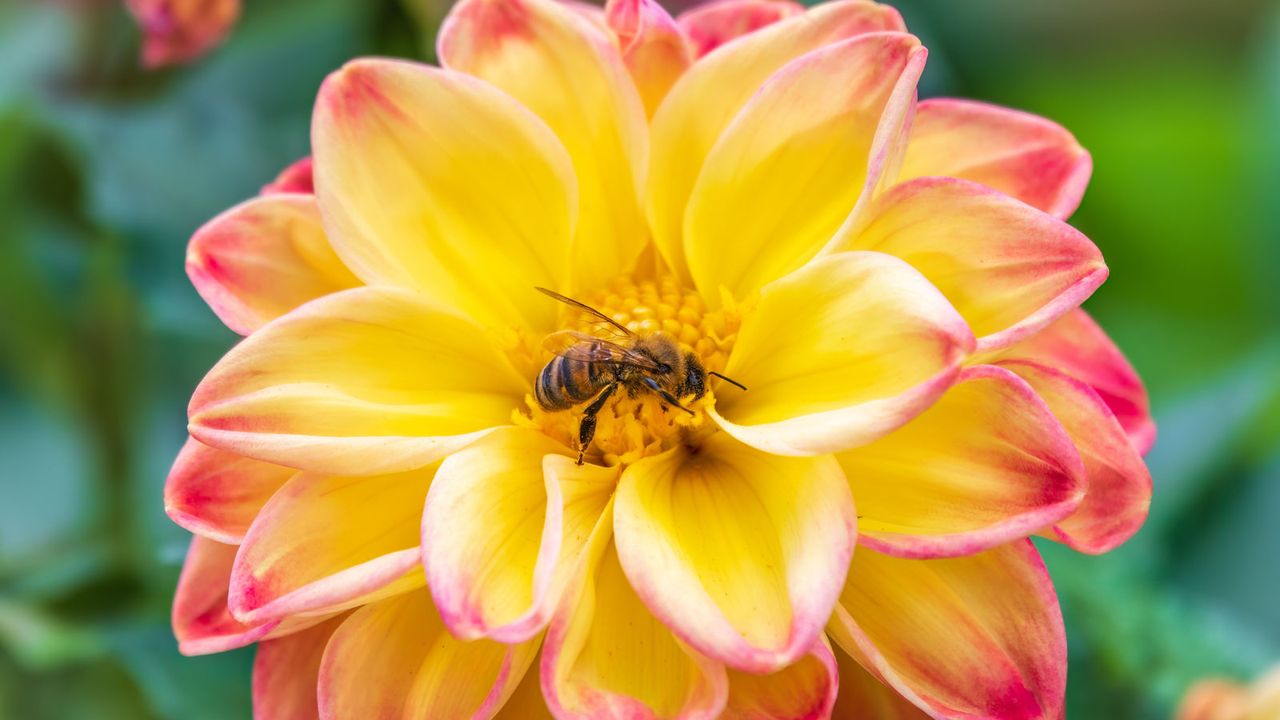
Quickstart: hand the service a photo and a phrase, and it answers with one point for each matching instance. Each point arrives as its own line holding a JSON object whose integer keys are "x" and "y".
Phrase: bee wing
{"x": 597, "y": 317}
{"x": 586, "y": 348}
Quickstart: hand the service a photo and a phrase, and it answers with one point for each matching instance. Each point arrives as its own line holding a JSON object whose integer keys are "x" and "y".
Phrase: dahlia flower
{"x": 384, "y": 505}
{"x": 1227, "y": 700}
{"x": 178, "y": 31}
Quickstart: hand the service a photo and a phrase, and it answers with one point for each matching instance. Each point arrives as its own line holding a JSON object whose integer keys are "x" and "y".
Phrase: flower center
{"x": 635, "y": 421}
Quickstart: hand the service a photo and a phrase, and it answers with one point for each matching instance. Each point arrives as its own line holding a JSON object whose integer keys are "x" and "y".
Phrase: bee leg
{"x": 587, "y": 428}
{"x": 666, "y": 396}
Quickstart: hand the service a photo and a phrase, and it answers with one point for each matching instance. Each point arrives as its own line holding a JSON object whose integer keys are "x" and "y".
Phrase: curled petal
{"x": 1076, "y": 346}
{"x": 394, "y": 659}
{"x": 263, "y": 258}
{"x": 563, "y": 68}
{"x": 985, "y": 465}
{"x": 285, "y": 672}
{"x": 1021, "y": 155}
{"x": 706, "y": 98}
{"x": 712, "y": 24}
{"x": 608, "y": 658}
{"x": 740, "y": 552}
{"x": 217, "y": 494}
{"x": 505, "y": 524}
{"x": 365, "y": 381}
{"x": 297, "y": 178}
{"x": 972, "y": 638}
{"x": 792, "y": 168}
{"x": 862, "y": 696}
{"x": 890, "y": 345}
{"x": 804, "y": 690}
{"x": 436, "y": 181}
{"x": 324, "y": 544}
{"x": 178, "y": 31}
{"x": 1008, "y": 268}
{"x": 654, "y": 47}
{"x": 1119, "y": 495}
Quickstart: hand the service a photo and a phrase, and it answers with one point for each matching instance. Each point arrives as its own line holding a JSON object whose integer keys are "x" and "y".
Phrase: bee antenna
{"x": 727, "y": 379}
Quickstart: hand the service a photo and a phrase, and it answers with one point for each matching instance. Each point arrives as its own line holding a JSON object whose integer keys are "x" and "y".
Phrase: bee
{"x": 591, "y": 369}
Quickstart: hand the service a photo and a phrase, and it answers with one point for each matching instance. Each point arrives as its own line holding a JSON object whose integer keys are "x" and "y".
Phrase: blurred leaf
{"x": 39, "y": 641}
{"x": 212, "y": 687}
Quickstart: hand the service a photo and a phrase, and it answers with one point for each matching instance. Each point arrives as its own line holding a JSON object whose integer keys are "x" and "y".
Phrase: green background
{"x": 105, "y": 170}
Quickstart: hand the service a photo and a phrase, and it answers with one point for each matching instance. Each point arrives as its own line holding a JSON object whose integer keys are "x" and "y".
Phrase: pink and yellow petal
{"x": 741, "y": 553}
{"x": 296, "y": 178}
{"x": 505, "y": 525}
{"x": 201, "y": 622}
{"x": 1024, "y": 156}
{"x": 972, "y": 638}
{"x": 439, "y": 182}
{"x": 571, "y": 75}
{"x": 1119, "y": 494}
{"x": 1077, "y": 346}
{"x": 1009, "y": 269}
{"x": 285, "y": 672}
{"x": 179, "y": 31}
{"x": 792, "y": 168}
{"x": 863, "y": 697}
{"x": 840, "y": 353}
{"x": 985, "y": 465}
{"x": 324, "y": 544}
{"x": 653, "y": 46}
{"x": 607, "y": 658}
{"x": 712, "y": 24}
{"x": 394, "y": 659}
{"x": 217, "y": 494}
{"x": 703, "y": 103}
{"x": 804, "y": 690}
{"x": 366, "y": 381}
{"x": 263, "y": 258}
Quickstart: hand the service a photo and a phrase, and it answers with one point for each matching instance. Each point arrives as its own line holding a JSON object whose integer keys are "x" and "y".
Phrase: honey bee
{"x": 589, "y": 368}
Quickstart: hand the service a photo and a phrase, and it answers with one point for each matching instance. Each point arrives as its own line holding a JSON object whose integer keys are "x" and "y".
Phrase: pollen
{"x": 630, "y": 427}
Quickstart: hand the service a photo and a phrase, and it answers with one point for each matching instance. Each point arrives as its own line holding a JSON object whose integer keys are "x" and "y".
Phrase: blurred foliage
{"x": 105, "y": 170}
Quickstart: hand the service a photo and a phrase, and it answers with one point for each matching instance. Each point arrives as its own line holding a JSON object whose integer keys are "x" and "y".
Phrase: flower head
{"x": 1217, "y": 699}
{"x": 890, "y": 285}
{"x": 178, "y": 31}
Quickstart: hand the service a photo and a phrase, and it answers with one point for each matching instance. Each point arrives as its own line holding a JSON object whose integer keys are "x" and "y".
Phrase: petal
{"x": 707, "y": 97}
{"x": 608, "y": 658}
{"x": 323, "y": 544}
{"x": 739, "y": 552}
{"x": 863, "y": 697}
{"x": 840, "y": 353}
{"x": 1119, "y": 493}
{"x": 217, "y": 494}
{"x": 437, "y": 181}
{"x": 1076, "y": 346}
{"x": 804, "y": 690}
{"x": 790, "y": 170}
{"x": 360, "y": 382}
{"x": 568, "y": 72}
{"x": 712, "y": 24}
{"x": 654, "y": 47}
{"x": 178, "y": 31}
{"x": 964, "y": 638}
{"x": 201, "y": 622}
{"x": 1024, "y": 156}
{"x": 987, "y": 464}
{"x": 1008, "y": 268}
{"x": 263, "y": 258}
{"x": 526, "y": 703}
{"x": 285, "y": 672}
{"x": 499, "y": 541}
{"x": 394, "y": 659}
{"x": 297, "y": 178}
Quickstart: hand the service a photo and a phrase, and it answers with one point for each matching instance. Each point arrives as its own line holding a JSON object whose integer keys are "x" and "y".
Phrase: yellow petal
{"x": 526, "y": 703}
{"x": 365, "y": 381}
{"x": 505, "y": 524}
{"x": 840, "y": 353}
{"x": 862, "y": 697}
{"x": 1027, "y": 157}
{"x": 394, "y": 659}
{"x": 571, "y": 74}
{"x": 1119, "y": 495}
{"x": 436, "y": 181}
{"x": 285, "y": 672}
{"x": 805, "y": 689}
{"x": 262, "y": 258}
{"x": 972, "y": 638}
{"x": 792, "y": 168}
{"x": 1008, "y": 268}
{"x": 705, "y": 100}
{"x": 987, "y": 464}
{"x": 217, "y": 494}
{"x": 653, "y": 47}
{"x": 323, "y": 544}
{"x": 740, "y": 552}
